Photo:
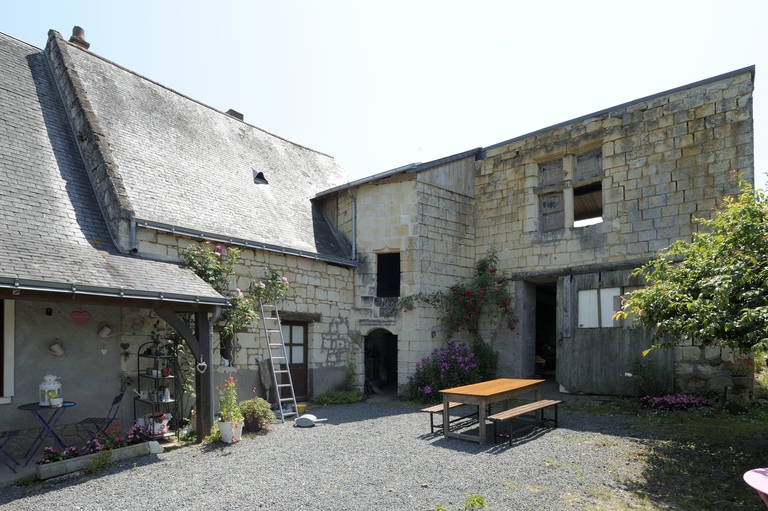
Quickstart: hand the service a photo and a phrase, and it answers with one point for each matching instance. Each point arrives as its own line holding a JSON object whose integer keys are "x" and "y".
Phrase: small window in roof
{"x": 258, "y": 178}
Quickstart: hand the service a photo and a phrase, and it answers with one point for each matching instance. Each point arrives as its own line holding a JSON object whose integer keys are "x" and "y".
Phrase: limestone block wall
{"x": 665, "y": 161}
{"x": 433, "y": 230}
{"x": 320, "y": 293}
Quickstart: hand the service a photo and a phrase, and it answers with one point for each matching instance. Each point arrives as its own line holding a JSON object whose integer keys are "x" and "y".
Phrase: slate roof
{"x": 52, "y": 233}
{"x": 189, "y": 167}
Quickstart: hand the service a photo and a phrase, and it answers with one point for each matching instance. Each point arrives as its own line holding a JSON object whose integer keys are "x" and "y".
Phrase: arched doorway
{"x": 380, "y": 362}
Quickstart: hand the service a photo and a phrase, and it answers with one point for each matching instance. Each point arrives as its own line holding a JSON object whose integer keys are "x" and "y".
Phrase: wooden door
{"x": 594, "y": 352}
{"x": 295, "y": 338}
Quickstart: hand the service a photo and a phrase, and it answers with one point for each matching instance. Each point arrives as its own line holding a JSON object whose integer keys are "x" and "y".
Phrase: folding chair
{"x": 5, "y": 439}
{"x": 95, "y": 425}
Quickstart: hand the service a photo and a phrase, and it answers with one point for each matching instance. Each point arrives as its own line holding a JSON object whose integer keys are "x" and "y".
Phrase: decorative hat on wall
{"x": 56, "y": 347}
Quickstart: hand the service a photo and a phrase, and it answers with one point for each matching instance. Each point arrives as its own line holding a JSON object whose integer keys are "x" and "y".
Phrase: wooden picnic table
{"x": 483, "y": 394}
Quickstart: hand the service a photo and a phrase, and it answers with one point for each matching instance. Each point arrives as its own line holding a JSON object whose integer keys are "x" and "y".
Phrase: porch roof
{"x": 53, "y": 238}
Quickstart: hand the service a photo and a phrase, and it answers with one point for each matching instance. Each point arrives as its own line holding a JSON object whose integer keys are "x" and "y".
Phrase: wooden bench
{"x": 438, "y": 410}
{"x": 520, "y": 411}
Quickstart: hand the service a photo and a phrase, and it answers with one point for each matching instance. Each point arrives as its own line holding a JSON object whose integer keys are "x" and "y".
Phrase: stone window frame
{"x": 549, "y": 186}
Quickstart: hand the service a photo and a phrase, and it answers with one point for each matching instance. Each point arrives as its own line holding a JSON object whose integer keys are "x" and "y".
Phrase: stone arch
{"x": 380, "y": 357}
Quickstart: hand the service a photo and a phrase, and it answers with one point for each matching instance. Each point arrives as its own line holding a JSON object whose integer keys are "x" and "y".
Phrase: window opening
{"x": 388, "y": 275}
{"x": 597, "y": 307}
{"x": 258, "y": 178}
{"x": 588, "y": 165}
{"x": 588, "y": 204}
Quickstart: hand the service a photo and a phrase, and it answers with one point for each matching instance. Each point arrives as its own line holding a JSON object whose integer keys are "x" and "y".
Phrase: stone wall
{"x": 320, "y": 293}
{"x": 649, "y": 169}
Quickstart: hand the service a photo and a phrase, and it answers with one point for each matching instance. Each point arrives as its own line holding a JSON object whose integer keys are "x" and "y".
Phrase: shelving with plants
{"x": 156, "y": 402}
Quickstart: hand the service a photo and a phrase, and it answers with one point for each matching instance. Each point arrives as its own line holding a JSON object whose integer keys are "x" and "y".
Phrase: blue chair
{"x": 95, "y": 425}
{"x": 5, "y": 439}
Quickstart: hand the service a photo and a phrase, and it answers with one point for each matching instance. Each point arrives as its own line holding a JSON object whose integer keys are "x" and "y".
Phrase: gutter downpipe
{"x": 354, "y": 224}
{"x": 132, "y": 246}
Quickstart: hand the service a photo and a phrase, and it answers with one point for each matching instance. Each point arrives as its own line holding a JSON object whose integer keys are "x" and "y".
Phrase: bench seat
{"x": 438, "y": 410}
{"x": 519, "y": 411}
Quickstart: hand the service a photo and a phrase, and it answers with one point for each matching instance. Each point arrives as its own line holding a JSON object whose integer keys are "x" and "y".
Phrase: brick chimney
{"x": 78, "y": 38}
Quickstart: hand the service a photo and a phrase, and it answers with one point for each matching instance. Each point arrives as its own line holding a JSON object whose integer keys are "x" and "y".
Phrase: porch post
{"x": 204, "y": 381}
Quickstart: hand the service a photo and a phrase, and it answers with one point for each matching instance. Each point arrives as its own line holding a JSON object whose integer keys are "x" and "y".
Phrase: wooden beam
{"x": 204, "y": 381}
{"x": 175, "y": 321}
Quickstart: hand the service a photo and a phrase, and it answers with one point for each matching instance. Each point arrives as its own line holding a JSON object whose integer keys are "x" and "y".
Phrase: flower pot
{"x": 59, "y": 468}
{"x": 252, "y": 426}
{"x": 165, "y": 372}
{"x": 231, "y": 431}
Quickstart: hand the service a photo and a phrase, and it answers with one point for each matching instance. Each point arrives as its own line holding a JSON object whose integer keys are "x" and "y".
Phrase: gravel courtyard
{"x": 377, "y": 456}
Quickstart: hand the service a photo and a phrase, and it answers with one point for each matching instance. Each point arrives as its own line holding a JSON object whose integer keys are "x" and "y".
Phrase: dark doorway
{"x": 295, "y": 339}
{"x": 546, "y": 328}
{"x": 380, "y": 362}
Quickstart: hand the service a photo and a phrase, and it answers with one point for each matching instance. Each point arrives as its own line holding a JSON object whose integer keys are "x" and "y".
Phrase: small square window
{"x": 388, "y": 275}
{"x": 551, "y": 173}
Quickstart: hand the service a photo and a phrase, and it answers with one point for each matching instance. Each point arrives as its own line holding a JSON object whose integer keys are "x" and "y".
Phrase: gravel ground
{"x": 377, "y": 456}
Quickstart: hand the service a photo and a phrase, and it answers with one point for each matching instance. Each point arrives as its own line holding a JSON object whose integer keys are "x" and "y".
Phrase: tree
{"x": 713, "y": 290}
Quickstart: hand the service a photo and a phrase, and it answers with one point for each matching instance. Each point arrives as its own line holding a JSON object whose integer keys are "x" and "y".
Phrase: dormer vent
{"x": 235, "y": 114}
{"x": 78, "y": 38}
{"x": 258, "y": 178}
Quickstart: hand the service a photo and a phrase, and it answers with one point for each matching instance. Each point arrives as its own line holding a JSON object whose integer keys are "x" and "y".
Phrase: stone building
{"x": 109, "y": 176}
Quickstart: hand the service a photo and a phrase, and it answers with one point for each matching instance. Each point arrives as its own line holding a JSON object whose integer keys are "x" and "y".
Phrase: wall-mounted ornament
{"x": 81, "y": 317}
{"x": 105, "y": 332}
{"x": 56, "y": 347}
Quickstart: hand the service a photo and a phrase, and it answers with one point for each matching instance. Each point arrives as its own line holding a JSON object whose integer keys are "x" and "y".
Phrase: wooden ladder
{"x": 278, "y": 357}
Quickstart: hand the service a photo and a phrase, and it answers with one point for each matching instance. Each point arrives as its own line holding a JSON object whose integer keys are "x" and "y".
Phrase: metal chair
{"x": 95, "y": 425}
{"x": 5, "y": 439}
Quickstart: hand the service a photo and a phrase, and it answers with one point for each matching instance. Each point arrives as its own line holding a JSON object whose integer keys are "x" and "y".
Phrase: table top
{"x": 36, "y": 406}
{"x": 491, "y": 387}
{"x": 757, "y": 479}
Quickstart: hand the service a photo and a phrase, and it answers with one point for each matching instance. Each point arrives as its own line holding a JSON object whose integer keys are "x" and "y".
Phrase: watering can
{"x": 307, "y": 420}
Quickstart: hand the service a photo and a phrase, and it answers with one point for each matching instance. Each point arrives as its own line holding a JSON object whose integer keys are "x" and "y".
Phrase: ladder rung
{"x": 275, "y": 344}
{"x": 280, "y": 372}
{"x": 272, "y": 331}
{"x": 278, "y": 358}
{"x": 286, "y": 399}
{"x": 272, "y": 318}
{"x": 268, "y": 305}
{"x": 283, "y": 385}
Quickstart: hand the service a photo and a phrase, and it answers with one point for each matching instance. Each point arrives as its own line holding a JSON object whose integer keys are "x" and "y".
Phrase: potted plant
{"x": 739, "y": 368}
{"x": 256, "y": 413}
{"x": 231, "y": 419}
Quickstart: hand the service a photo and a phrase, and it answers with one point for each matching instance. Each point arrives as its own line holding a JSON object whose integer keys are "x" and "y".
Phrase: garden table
{"x": 758, "y": 479}
{"x": 48, "y": 425}
{"x": 483, "y": 394}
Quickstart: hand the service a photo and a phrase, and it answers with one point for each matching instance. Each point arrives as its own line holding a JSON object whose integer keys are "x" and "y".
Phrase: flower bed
{"x": 69, "y": 465}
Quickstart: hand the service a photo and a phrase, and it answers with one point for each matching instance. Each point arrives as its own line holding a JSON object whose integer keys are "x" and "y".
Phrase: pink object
{"x": 80, "y": 318}
{"x": 758, "y": 479}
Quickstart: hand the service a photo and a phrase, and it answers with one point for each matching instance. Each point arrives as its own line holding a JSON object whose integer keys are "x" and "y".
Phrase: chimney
{"x": 235, "y": 114}
{"x": 78, "y": 38}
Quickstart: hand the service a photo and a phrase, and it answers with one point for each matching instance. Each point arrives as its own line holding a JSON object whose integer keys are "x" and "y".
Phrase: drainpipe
{"x": 354, "y": 224}
{"x": 132, "y": 246}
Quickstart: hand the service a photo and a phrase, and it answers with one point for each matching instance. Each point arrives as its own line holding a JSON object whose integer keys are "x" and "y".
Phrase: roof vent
{"x": 78, "y": 38}
{"x": 258, "y": 178}
{"x": 235, "y": 114}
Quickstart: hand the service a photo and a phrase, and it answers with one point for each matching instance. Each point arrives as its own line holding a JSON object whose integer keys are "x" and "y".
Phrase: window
{"x": 551, "y": 173}
{"x": 588, "y": 204}
{"x": 6, "y": 350}
{"x": 588, "y": 165}
{"x": 388, "y": 275}
{"x": 295, "y": 339}
{"x": 597, "y": 307}
{"x": 551, "y": 211}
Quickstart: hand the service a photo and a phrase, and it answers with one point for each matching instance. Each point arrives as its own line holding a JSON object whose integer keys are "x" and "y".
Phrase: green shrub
{"x": 644, "y": 381}
{"x": 257, "y": 408}
{"x": 338, "y": 397}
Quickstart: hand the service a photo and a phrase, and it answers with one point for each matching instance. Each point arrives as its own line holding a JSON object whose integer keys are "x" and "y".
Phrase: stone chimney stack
{"x": 78, "y": 38}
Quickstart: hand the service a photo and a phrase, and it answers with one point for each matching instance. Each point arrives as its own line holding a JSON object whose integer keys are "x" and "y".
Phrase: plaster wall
{"x": 88, "y": 377}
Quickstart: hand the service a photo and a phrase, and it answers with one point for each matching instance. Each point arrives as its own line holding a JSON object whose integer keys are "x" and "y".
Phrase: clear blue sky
{"x": 379, "y": 84}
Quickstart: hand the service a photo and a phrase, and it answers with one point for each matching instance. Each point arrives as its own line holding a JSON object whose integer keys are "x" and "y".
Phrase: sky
{"x": 378, "y": 85}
